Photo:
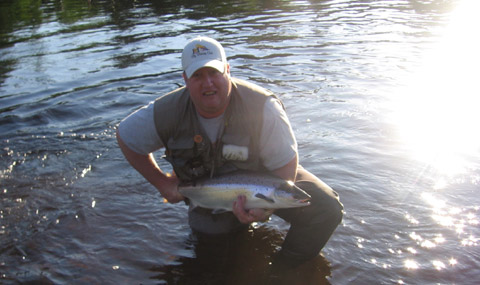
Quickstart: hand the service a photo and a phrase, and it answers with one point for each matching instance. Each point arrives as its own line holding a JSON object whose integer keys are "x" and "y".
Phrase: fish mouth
{"x": 303, "y": 202}
{"x": 304, "y": 197}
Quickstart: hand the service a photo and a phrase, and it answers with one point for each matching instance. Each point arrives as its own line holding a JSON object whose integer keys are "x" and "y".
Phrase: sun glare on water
{"x": 438, "y": 112}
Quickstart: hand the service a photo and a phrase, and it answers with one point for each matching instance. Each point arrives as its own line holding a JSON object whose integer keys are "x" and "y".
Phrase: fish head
{"x": 292, "y": 195}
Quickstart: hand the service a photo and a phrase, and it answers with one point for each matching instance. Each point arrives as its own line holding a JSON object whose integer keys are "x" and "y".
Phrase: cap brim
{"x": 215, "y": 63}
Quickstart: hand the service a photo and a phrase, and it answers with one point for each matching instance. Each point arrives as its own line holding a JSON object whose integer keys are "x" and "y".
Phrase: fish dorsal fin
{"x": 261, "y": 196}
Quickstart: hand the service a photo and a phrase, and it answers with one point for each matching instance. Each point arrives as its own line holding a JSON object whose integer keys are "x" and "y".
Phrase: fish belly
{"x": 220, "y": 197}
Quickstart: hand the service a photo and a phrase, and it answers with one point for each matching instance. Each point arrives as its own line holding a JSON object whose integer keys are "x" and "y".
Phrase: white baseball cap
{"x": 203, "y": 52}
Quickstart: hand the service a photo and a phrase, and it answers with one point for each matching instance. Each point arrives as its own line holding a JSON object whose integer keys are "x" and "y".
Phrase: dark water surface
{"x": 382, "y": 96}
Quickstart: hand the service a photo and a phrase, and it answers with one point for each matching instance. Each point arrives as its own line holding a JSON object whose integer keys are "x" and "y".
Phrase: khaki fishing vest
{"x": 187, "y": 146}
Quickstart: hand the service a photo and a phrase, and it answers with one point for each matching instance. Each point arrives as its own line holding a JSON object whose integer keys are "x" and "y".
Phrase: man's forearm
{"x": 148, "y": 168}
{"x": 288, "y": 171}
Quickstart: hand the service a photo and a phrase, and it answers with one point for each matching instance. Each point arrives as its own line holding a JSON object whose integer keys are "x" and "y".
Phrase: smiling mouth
{"x": 210, "y": 93}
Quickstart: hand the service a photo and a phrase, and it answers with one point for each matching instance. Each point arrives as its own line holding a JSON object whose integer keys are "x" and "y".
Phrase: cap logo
{"x": 201, "y": 50}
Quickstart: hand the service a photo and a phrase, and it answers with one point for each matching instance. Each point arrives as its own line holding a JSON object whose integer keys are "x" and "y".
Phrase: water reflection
{"x": 451, "y": 217}
{"x": 438, "y": 112}
{"x": 244, "y": 258}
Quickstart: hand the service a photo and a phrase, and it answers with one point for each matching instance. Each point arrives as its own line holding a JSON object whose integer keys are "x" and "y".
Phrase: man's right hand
{"x": 169, "y": 189}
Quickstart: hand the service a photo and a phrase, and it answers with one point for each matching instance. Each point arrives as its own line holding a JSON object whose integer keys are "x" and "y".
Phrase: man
{"x": 218, "y": 124}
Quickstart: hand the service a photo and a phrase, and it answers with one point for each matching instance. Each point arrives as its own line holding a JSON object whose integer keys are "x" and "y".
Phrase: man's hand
{"x": 169, "y": 189}
{"x": 249, "y": 216}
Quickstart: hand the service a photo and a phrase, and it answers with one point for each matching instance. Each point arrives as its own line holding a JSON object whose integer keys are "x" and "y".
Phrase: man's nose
{"x": 208, "y": 80}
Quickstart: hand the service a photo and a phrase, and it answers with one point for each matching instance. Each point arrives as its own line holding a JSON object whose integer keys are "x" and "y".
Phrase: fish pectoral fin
{"x": 261, "y": 196}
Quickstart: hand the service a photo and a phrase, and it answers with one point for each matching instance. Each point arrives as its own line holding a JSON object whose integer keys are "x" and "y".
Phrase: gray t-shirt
{"x": 277, "y": 141}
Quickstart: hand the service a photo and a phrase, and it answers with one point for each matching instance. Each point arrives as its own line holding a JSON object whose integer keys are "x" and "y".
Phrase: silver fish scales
{"x": 261, "y": 190}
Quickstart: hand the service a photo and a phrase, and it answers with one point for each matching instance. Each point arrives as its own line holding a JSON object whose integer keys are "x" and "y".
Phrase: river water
{"x": 381, "y": 96}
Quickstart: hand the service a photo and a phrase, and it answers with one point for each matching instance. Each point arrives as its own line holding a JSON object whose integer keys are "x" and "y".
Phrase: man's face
{"x": 209, "y": 90}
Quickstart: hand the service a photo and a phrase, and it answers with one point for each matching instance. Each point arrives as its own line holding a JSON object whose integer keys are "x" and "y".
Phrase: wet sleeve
{"x": 138, "y": 131}
{"x": 278, "y": 145}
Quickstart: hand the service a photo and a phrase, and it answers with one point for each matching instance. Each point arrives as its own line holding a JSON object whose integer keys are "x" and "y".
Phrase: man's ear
{"x": 227, "y": 68}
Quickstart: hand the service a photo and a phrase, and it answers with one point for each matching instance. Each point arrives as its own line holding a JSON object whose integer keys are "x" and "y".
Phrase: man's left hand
{"x": 251, "y": 215}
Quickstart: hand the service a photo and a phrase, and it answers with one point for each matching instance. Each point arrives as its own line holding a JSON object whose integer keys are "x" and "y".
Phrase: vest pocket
{"x": 234, "y": 152}
{"x": 187, "y": 158}
{"x": 179, "y": 151}
{"x": 236, "y": 147}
